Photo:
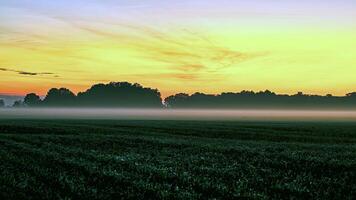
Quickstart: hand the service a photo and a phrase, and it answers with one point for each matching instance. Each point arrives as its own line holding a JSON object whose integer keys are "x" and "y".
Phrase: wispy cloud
{"x": 180, "y": 76}
{"x": 179, "y": 51}
{"x": 183, "y": 50}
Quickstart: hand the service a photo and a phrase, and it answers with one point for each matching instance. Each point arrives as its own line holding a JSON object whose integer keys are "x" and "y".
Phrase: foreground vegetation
{"x": 60, "y": 159}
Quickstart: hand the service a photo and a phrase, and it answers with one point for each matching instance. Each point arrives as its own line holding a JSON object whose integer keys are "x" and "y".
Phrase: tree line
{"x": 262, "y": 99}
{"x": 114, "y": 94}
{"x": 128, "y": 95}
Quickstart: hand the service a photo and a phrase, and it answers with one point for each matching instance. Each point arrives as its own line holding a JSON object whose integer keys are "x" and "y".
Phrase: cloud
{"x": 178, "y": 52}
{"x": 26, "y": 72}
{"x": 185, "y": 55}
{"x": 182, "y": 50}
{"x": 181, "y": 76}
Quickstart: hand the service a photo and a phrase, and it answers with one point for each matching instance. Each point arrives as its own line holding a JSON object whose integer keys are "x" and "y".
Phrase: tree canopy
{"x": 120, "y": 94}
{"x": 59, "y": 97}
{"x": 32, "y": 100}
{"x": 262, "y": 99}
{"x": 114, "y": 94}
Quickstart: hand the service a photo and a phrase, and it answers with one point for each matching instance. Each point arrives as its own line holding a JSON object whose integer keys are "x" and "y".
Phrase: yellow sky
{"x": 37, "y": 53}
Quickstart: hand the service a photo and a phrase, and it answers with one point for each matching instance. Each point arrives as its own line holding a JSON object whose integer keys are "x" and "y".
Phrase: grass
{"x": 63, "y": 159}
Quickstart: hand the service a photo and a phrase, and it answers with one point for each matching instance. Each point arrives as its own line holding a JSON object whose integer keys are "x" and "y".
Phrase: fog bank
{"x": 175, "y": 114}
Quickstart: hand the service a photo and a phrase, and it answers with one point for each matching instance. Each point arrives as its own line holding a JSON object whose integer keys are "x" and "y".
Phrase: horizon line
{"x": 189, "y": 93}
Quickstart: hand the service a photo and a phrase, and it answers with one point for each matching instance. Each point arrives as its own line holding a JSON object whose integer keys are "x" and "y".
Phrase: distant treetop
{"x": 32, "y": 100}
{"x": 2, "y": 103}
{"x": 114, "y": 94}
{"x": 120, "y": 94}
{"x": 262, "y": 99}
{"x": 59, "y": 97}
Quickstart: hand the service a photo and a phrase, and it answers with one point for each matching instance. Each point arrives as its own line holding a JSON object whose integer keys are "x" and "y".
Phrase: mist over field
{"x": 176, "y": 114}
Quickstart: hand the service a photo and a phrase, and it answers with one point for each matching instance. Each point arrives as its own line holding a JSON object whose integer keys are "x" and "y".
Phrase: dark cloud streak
{"x": 26, "y": 72}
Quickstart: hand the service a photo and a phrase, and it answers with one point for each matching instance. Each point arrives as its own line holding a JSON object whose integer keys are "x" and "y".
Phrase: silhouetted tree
{"x": 32, "y": 100}
{"x": 2, "y": 103}
{"x": 120, "y": 94}
{"x": 353, "y": 94}
{"x": 262, "y": 99}
{"x": 176, "y": 100}
{"x": 60, "y": 97}
{"x": 18, "y": 104}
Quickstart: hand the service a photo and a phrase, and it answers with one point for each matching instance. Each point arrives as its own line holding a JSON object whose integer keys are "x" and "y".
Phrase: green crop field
{"x": 77, "y": 159}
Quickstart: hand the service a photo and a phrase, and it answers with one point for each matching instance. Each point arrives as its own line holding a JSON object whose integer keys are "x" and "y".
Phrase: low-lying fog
{"x": 175, "y": 114}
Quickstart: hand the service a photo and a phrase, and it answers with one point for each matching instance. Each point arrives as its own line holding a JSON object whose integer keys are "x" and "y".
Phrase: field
{"x": 93, "y": 159}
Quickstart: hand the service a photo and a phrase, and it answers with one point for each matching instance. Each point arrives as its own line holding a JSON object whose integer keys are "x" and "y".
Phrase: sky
{"x": 186, "y": 46}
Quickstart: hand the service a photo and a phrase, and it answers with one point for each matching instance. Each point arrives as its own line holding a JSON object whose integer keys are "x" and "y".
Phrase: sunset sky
{"x": 209, "y": 46}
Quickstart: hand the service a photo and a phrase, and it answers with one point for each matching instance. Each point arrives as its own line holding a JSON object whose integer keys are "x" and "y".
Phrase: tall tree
{"x": 2, "y": 103}
{"x": 18, "y": 104}
{"x": 32, "y": 100}
{"x": 120, "y": 94}
{"x": 60, "y": 97}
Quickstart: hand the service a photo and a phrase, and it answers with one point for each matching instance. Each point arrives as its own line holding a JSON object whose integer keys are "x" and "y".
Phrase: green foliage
{"x": 176, "y": 160}
{"x": 32, "y": 100}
